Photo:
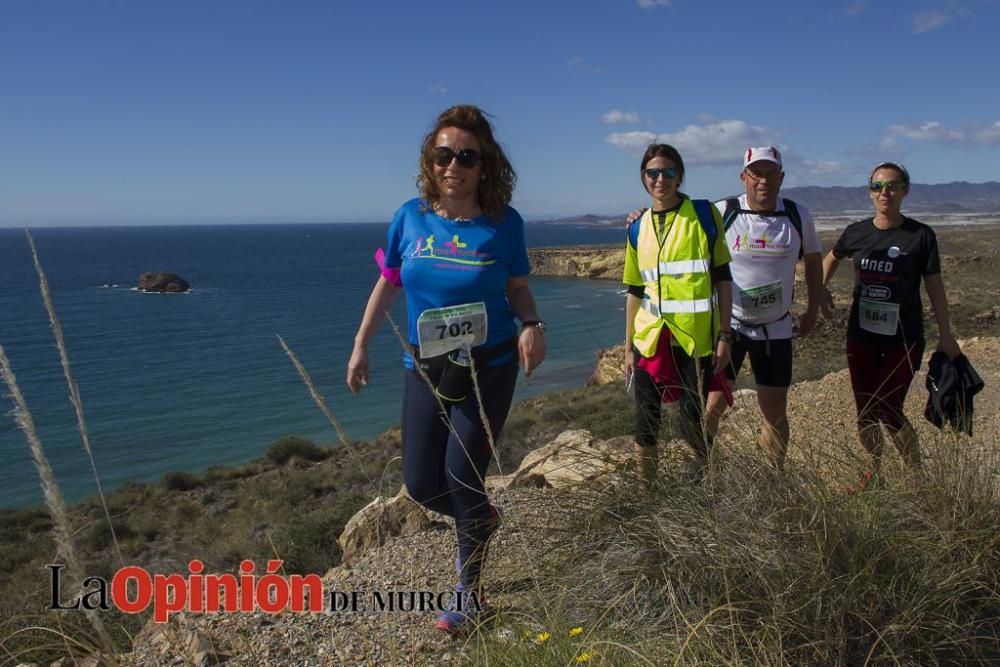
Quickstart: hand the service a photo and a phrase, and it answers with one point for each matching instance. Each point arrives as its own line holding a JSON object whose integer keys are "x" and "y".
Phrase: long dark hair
{"x": 497, "y": 185}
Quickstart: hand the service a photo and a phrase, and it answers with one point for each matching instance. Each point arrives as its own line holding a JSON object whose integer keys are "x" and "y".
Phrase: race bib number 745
{"x": 441, "y": 330}
{"x": 763, "y": 301}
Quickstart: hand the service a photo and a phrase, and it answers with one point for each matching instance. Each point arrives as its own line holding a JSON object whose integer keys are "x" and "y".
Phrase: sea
{"x": 181, "y": 382}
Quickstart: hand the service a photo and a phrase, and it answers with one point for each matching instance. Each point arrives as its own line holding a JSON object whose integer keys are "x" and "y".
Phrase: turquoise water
{"x": 182, "y": 382}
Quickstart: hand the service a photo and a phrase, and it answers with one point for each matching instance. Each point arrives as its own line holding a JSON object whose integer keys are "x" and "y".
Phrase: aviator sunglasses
{"x": 876, "y": 186}
{"x": 467, "y": 157}
{"x": 654, "y": 174}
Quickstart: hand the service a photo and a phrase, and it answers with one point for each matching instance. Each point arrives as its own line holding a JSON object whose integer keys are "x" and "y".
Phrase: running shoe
{"x": 464, "y": 621}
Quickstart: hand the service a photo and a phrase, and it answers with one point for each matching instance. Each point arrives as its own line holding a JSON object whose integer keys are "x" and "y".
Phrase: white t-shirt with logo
{"x": 765, "y": 250}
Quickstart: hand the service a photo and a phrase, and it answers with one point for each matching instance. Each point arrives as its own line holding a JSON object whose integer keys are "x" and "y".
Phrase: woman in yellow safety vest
{"x": 677, "y": 331}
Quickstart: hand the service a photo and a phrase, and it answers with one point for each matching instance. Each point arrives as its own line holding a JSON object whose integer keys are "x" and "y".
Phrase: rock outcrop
{"x": 163, "y": 282}
{"x": 381, "y": 519}
{"x": 610, "y": 366}
{"x": 574, "y": 458}
{"x": 599, "y": 262}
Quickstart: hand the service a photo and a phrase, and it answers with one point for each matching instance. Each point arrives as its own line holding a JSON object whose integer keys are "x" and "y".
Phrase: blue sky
{"x": 156, "y": 111}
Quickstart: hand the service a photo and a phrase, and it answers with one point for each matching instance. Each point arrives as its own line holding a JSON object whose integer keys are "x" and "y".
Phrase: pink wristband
{"x": 391, "y": 275}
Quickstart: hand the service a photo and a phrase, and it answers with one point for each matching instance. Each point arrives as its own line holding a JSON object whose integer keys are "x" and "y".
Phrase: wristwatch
{"x": 538, "y": 324}
{"x": 726, "y": 335}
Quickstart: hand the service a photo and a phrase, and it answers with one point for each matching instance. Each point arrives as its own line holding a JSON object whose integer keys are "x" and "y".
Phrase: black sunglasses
{"x": 467, "y": 157}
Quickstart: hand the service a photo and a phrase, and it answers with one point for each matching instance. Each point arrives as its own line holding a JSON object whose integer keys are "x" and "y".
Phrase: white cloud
{"x": 647, "y": 4}
{"x": 967, "y": 134}
{"x": 854, "y": 8}
{"x": 631, "y": 142}
{"x": 615, "y": 117}
{"x": 824, "y": 167}
{"x": 930, "y": 20}
{"x": 989, "y": 134}
{"x": 929, "y": 131}
{"x": 438, "y": 88}
{"x": 720, "y": 143}
{"x": 580, "y": 63}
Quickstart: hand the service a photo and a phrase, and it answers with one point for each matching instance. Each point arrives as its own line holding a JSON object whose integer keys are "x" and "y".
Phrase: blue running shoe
{"x": 465, "y": 619}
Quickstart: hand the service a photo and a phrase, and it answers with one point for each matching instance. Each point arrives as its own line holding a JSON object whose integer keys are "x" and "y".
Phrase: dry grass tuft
{"x": 74, "y": 390}
{"x": 62, "y": 528}
{"x": 756, "y": 567}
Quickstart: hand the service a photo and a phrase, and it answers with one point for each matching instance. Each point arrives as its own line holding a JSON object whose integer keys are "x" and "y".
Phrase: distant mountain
{"x": 589, "y": 220}
{"x": 956, "y": 197}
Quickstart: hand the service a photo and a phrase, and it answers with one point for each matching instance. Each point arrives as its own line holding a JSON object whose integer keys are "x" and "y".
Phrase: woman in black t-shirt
{"x": 885, "y": 333}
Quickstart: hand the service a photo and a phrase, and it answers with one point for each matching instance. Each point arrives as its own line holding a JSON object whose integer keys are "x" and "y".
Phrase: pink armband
{"x": 391, "y": 275}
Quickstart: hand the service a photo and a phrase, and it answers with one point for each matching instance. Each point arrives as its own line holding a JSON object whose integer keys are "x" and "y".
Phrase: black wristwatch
{"x": 538, "y": 324}
{"x": 726, "y": 335}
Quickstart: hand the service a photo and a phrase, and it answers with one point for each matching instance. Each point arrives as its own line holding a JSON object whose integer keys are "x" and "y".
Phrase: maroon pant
{"x": 881, "y": 374}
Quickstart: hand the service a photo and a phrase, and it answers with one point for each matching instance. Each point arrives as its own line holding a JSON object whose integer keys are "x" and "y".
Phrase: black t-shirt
{"x": 888, "y": 265}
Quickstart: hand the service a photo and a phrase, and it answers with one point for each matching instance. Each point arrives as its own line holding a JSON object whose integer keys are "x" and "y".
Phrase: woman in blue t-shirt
{"x": 460, "y": 254}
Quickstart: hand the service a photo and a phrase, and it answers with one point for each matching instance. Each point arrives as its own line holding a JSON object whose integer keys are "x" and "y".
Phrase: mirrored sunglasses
{"x": 877, "y": 186}
{"x": 654, "y": 174}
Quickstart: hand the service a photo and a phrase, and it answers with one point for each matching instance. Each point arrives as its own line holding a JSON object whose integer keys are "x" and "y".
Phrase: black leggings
{"x": 445, "y": 473}
{"x": 648, "y": 395}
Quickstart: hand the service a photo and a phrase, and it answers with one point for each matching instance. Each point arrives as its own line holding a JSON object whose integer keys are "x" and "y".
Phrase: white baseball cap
{"x": 769, "y": 153}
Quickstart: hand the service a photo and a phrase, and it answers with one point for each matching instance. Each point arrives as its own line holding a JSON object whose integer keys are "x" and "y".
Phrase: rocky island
{"x": 163, "y": 282}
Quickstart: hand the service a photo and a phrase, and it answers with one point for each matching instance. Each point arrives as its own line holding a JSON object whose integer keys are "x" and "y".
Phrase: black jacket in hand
{"x": 951, "y": 385}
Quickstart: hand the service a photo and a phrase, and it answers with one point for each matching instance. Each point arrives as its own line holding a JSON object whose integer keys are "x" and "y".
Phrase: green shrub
{"x": 309, "y": 543}
{"x": 180, "y": 481}
{"x": 283, "y": 449}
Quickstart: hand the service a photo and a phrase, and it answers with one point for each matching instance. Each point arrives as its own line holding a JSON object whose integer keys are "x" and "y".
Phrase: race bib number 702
{"x": 441, "y": 330}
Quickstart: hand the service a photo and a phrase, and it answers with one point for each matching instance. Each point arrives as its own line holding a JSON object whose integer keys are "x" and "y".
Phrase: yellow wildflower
{"x": 575, "y": 631}
{"x": 585, "y": 657}
{"x": 542, "y": 637}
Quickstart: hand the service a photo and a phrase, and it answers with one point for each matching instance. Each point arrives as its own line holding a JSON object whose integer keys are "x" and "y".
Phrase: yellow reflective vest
{"x": 676, "y": 274}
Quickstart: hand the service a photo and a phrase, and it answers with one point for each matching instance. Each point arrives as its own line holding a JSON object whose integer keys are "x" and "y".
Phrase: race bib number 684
{"x": 878, "y": 316}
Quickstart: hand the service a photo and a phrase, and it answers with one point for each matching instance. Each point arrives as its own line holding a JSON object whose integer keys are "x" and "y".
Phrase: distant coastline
{"x": 824, "y": 221}
{"x": 944, "y": 204}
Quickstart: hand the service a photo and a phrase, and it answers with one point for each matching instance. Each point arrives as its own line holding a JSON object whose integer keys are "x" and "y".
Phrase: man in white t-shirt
{"x": 767, "y": 237}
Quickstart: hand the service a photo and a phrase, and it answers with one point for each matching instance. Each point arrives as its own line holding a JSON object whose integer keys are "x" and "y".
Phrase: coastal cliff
{"x": 596, "y": 262}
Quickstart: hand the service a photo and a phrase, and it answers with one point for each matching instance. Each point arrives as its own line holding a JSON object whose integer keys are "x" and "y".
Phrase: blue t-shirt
{"x": 447, "y": 263}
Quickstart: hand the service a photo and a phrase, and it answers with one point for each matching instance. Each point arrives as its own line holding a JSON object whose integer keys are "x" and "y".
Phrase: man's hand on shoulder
{"x": 634, "y": 215}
